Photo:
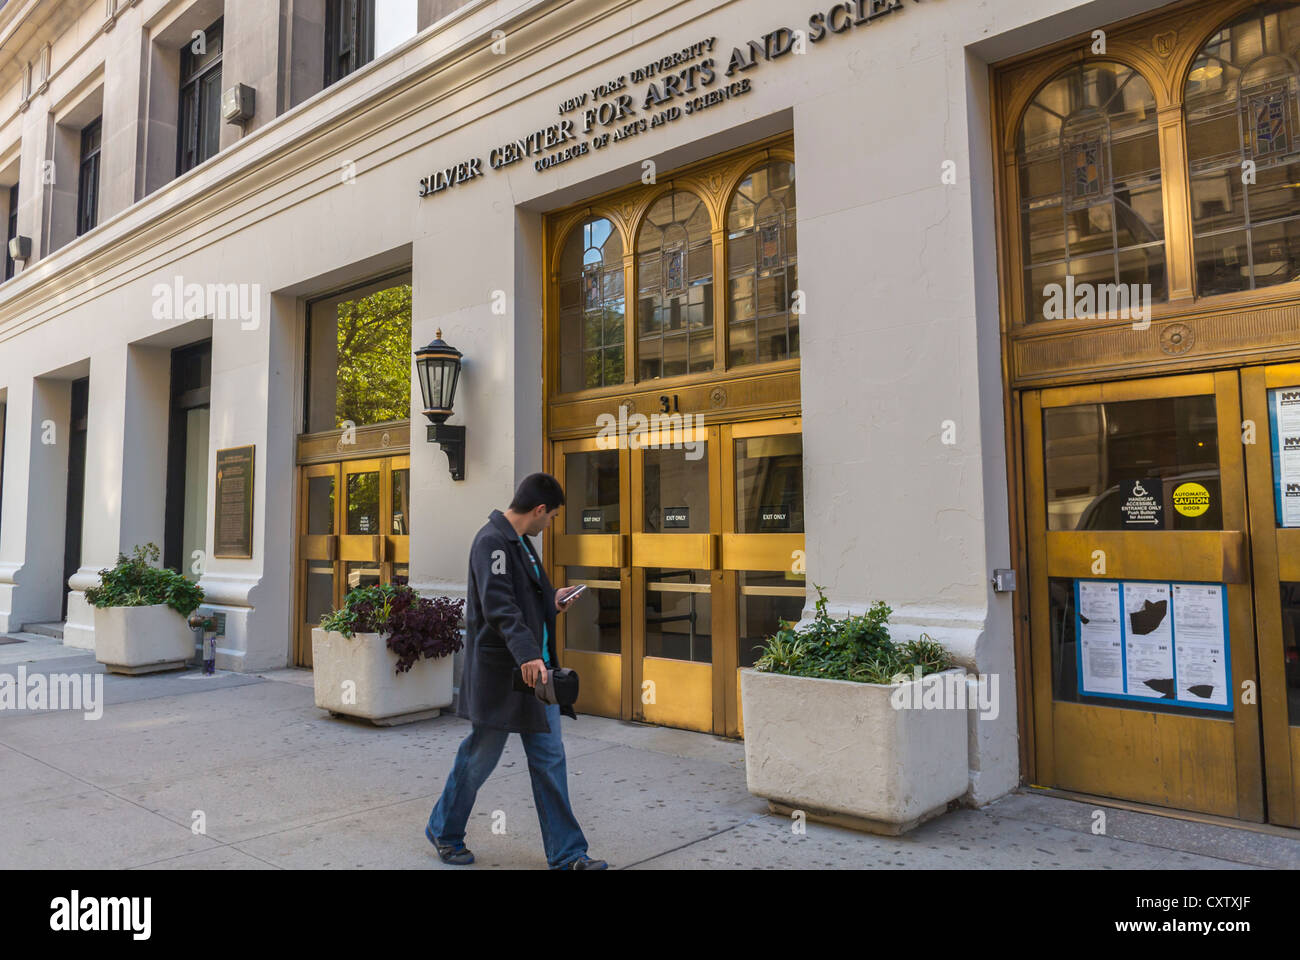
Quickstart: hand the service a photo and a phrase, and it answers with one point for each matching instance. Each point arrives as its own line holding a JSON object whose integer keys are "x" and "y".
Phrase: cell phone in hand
{"x": 574, "y": 594}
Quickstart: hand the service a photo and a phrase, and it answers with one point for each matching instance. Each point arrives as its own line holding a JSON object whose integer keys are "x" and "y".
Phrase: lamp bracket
{"x": 452, "y": 440}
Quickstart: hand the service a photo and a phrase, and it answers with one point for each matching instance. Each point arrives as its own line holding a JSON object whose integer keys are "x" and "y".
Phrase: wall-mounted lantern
{"x": 438, "y": 366}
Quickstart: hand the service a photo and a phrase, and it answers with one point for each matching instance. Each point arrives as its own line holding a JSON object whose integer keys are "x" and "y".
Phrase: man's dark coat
{"x": 507, "y": 605}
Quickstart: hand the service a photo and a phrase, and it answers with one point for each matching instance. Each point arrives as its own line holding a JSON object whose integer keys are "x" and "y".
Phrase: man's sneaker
{"x": 456, "y": 854}
{"x": 585, "y": 862}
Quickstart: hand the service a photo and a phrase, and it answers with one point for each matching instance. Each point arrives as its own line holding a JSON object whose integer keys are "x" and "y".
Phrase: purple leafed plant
{"x": 415, "y": 626}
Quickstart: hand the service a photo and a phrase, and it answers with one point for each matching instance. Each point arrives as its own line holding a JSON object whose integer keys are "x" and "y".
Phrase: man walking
{"x": 510, "y": 621}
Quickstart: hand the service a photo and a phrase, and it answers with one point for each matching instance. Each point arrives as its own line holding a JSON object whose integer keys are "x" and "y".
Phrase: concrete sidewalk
{"x": 280, "y": 783}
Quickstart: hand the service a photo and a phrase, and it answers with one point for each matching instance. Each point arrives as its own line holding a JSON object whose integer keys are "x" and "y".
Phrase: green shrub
{"x": 136, "y": 582}
{"x": 856, "y": 648}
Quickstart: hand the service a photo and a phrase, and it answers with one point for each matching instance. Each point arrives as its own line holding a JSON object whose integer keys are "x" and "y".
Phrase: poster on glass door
{"x": 1101, "y": 638}
{"x": 1201, "y": 648}
{"x": 1284, "y": 428}
{"x": 1153, "y": 641}
{"x": 1148, "y": 641}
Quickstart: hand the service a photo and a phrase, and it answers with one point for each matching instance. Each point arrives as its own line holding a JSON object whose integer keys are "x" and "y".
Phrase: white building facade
{"x": 592, "y": 200}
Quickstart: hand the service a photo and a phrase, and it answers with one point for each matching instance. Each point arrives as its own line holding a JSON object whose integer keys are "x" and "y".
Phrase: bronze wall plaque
{"x": 233, "y": 506}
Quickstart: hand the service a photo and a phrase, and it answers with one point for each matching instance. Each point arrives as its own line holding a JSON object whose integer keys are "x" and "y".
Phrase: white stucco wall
{"x": 899, "y": 269}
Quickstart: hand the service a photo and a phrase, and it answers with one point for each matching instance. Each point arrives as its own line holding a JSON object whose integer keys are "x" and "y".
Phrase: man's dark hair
{"x": 536, "y": 489}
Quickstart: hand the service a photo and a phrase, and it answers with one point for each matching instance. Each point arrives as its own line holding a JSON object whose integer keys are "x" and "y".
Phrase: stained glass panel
{"x": 762, "y": 259}
{"x": 1241, "y": 101}
{"x": 1092, "y": 205}
{"x": 675, "y": 268}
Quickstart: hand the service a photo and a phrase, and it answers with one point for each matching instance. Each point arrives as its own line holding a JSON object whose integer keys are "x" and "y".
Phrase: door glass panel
{"x": 364, "y": 574}
{"x": 678, "y": 618}
{"x": 363, "y": 503}
{"x": 320, "y": 505}
{"x": 591, "y": 491}
{"x": 195, "y": 538}
{"x": 677, "y": 490}
{"x": 320, "y": 590}
{"x": 769, "y": 484}
{"x": 1160, "y": 663}
{"x": 401, "y": 573}
{"x": 1290, "y": 649}
{"x": 1097, "y": 452}
{"x": 766, "y": 598}
{"x": 1284, "y": 432}
{"x": 595, "y": 621}
{"x": 401, "y": 502}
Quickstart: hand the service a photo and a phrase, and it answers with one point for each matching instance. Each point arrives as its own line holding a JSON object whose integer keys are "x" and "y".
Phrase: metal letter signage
{"x": 680, "y": 84}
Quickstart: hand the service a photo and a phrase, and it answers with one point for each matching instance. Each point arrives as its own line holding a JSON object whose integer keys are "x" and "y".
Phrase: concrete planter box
{"x": 841, "y": 751}
{"x": 142, "y": 639}
{"x": 381, "y": 694}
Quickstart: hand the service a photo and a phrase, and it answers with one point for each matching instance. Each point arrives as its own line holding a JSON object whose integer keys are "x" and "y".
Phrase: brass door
{"x": 1271, "y": 435}
{"x": 678, "y": 592}
{"x": 691, "y": 549}
{"x": 639, "y": 529}
{"x": 762, "y": 543}
{"x": 1137, "y": 529}
{"x": 589, "y": 546}
{"x": 353, "y": 518}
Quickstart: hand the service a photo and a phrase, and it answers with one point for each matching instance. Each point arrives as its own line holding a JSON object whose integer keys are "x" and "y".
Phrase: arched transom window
{"x": 733, "y": 219}
{"x": 591, "y": 307}
{"x": 1088, "y": 161}
{"x": 1243, "y": 148}
{"x": 763, "y": 265}
{"x": 675, "y": 295}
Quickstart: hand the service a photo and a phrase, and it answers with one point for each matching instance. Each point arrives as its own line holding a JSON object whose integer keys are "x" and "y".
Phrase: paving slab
{"x": 1242, "y": 844}
{"x": 89, "y": 830}
{"x": 961, "y": 840}
{"x": 281, "y": 784}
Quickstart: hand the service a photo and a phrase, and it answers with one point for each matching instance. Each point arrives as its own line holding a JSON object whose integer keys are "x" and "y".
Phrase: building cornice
{"x": 26, "y": 26}
{"x": 284, "y": 162}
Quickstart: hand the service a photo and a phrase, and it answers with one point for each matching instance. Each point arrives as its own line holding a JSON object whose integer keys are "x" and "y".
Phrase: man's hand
{"x": 565, "y": 597}
{"x": 533, "y": 671}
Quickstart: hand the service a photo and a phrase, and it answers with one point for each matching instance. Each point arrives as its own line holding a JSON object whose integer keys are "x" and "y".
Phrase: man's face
{"x": 540, "y": 519}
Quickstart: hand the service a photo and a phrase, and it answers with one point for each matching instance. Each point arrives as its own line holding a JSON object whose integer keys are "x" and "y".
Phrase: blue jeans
{"x": 476, "y": 759}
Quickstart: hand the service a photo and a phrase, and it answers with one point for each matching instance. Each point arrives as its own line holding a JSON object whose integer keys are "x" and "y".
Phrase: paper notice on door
{"x": 1200, "y": 645}
{"x": 1101, "y": 642}
{"x": 1286, "y": 453}
{"x": 1149, "y": 641}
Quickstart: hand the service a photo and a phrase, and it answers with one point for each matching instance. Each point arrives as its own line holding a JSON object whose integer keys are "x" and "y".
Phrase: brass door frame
{"x": 722, "y": 551}
{"x": 687, "y": 551}
{"x": 563, "y": 550}
{"x": 1276, "y": 554}
{"x": 746, "y": 551}
{"x": 717, "y": 397}
{"x": 339, "y": 548}
{"x": 1207, "y": 555}
{"x": 317, "y": 547}
{"x": 1223, "y": 331}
